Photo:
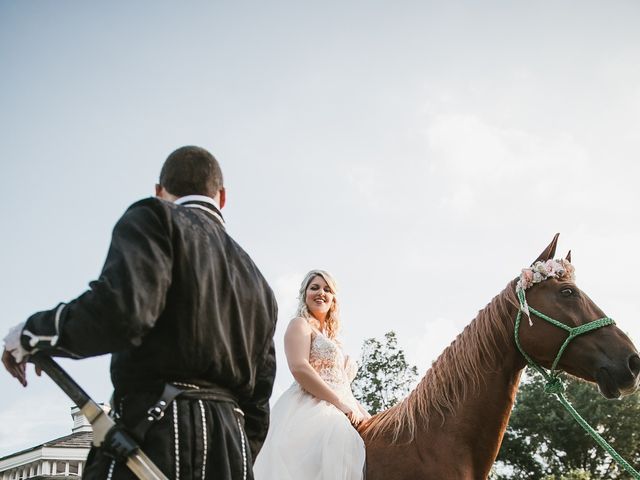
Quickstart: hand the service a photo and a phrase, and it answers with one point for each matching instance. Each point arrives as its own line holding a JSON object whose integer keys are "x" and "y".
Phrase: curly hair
{"x": 332, "y": 321}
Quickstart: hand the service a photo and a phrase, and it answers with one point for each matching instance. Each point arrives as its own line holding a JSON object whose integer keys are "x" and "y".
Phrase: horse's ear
{"x": 548, "y": 252}
{"x": 568, "y": 257}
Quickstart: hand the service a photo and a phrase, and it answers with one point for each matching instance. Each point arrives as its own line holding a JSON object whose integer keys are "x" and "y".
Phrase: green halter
{"x": 554, "y": 383}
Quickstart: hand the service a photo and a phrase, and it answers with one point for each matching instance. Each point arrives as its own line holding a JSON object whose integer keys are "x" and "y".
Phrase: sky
{"x": 423, "y": 152}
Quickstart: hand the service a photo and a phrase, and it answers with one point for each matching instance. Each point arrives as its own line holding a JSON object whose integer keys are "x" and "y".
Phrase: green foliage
{"x": 384, "y": 377}
{"x": 544, "y": 442}
{"x": 579, "y": 474}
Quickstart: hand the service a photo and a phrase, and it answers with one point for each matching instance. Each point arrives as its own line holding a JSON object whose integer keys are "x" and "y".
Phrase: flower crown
{"x": 542, "y": 270}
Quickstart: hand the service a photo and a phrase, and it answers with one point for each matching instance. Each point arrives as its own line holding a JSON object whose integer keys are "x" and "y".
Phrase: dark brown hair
{"x": 191, "y": 170}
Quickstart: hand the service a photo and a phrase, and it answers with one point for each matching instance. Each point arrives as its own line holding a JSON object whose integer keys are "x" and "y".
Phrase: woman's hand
{"x": 354, "y": 415}
{"x": 356, "y": 418}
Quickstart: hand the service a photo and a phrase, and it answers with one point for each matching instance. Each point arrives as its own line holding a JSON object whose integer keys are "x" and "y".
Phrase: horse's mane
{"x": 454, "y": 374}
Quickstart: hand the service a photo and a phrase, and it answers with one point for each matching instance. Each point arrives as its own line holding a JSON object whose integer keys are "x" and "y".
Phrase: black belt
{"x": 170, "y": 393}
{"x": 206, "y": 391}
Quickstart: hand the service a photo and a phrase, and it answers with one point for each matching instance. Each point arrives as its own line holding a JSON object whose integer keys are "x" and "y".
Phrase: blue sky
{"x": 423, "y": 152}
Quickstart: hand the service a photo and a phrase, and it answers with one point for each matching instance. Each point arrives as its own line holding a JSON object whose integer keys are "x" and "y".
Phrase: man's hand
{"x": 17, "y": 370}
{"x": 15, "y": 356}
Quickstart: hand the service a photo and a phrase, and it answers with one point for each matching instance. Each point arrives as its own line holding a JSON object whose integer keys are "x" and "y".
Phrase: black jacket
{"x": 177, "y": 300}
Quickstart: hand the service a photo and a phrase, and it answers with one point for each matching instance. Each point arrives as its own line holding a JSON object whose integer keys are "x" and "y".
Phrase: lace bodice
{"x": 327, "y": 359}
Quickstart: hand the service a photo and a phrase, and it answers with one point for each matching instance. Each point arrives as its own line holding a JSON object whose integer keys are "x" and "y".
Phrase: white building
{"x": 62, "y": 457}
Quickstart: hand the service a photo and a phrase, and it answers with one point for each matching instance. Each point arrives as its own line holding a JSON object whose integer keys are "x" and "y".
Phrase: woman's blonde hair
{"x": 332, "y": 320}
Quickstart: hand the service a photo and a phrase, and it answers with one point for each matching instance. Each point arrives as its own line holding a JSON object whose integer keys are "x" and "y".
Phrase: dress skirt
{"x": 310, "y": 439}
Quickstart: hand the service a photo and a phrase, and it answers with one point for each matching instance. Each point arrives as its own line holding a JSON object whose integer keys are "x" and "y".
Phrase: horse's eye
{"x": 566, "y": 292}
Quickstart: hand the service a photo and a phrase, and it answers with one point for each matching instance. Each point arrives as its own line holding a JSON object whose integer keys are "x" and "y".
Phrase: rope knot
{"x": 554, "y": 386}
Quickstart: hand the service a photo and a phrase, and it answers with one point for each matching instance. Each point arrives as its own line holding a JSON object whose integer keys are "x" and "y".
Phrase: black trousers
{"x": 195, "y": 439}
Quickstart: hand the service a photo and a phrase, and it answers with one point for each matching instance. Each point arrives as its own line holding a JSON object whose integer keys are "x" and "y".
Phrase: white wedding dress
{"x": 310, "y": 439}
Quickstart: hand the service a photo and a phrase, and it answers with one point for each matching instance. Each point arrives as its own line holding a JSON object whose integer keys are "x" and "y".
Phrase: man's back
{"x": 219, "y": 313}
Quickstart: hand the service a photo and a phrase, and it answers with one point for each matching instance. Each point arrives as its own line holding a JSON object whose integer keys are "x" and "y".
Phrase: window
{"x": 61, "y": 467}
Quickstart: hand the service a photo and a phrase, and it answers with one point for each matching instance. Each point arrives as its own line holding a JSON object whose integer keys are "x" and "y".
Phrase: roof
{"x": 74, "y": 440}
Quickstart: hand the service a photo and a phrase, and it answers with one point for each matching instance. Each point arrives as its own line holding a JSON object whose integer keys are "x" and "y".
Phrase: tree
{"x": 384, "y": 377}
{"x": 579, "y": 474}
{"x": 544, "y": 441}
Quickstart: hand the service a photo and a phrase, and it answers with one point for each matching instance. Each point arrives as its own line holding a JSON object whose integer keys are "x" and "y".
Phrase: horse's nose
{"x": 634, "y": 365}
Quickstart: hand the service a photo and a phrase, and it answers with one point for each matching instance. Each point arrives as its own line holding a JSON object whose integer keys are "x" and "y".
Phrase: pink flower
{"x": 552, "y": 267}
{"x": 526, "y": 278}
{"x": 540, "y": 271}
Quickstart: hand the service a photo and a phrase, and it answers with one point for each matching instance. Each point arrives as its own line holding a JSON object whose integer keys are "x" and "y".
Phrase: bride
{"x": 312, "y": 434}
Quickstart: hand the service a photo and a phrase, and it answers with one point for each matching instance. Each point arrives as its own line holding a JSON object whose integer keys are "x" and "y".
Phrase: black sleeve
{"x": 256, "y": 409}
{"x": 126, "y": 300}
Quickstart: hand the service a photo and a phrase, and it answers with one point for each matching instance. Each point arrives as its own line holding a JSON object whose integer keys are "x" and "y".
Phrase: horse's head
{"x": 600, "y": 352}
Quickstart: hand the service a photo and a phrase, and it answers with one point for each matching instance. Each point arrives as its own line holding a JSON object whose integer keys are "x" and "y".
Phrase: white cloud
{"x": 482, "y": 165}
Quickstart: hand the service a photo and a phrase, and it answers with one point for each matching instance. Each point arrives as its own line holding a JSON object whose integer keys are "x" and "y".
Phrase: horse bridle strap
{"x": 554, "y": 384}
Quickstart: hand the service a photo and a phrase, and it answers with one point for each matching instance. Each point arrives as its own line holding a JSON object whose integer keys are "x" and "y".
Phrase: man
{"x": 178, "y": 303}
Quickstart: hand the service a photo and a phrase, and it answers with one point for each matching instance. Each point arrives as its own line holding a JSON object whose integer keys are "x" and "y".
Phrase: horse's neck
{"x": 475, "y": 425}
{"x": 475, "y": 428}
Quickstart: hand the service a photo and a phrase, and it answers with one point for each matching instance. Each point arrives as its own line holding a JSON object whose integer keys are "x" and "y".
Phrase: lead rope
{"x": 554, "y": 384}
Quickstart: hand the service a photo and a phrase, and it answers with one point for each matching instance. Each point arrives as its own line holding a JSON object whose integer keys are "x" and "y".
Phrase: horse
{"x": 451, "y": 425}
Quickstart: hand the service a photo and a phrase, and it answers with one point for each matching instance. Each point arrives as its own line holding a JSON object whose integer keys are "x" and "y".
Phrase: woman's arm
{"x": 297, "y": 345}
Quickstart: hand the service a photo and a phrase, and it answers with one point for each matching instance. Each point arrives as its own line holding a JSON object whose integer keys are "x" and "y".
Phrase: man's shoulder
{"x": 153, "y": 203}
{"x": 147, "y": 212}
{"x": 150, "y": 206}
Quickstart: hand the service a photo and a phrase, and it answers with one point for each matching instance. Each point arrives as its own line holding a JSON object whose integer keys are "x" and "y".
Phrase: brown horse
{"x": 451, "y": 426}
